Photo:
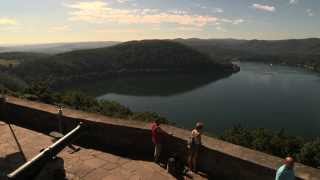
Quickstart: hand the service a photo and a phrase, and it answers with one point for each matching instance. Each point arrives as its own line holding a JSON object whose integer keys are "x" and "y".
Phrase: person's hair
{"x": 289, "y": 161}
{"x": 199, "y": 125}
{"x": 157, "y": 121}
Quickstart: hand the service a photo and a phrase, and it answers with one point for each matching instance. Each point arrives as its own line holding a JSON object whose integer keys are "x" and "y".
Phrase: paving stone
{"x": 135, "y": 177}
{"x": 108, "y": 157}
{"x": 97, "y": 174}
{"x": 94, "y": 163}
{"x": 85, "y": 157}
{"x": 109, "y": 166}
{"x": 114, "y": 177}
{"x": 121, "y": 172}
{"x": 71, "y": 176}
{"x": 81, "y": 170}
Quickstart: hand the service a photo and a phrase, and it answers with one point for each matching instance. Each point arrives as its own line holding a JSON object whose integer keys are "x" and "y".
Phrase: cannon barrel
{"x": 31, "y": 168}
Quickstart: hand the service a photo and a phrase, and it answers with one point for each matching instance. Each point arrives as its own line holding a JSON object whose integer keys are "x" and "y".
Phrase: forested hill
{"x": 302, "y": 52}
{"x": 133, "y": 56}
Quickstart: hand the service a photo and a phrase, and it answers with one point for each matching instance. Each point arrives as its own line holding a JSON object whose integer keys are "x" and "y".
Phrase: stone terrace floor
{"x": 84, "y": 164}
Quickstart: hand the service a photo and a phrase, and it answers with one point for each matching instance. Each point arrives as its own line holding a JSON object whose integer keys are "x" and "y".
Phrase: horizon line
{"x": 72, "y": 42}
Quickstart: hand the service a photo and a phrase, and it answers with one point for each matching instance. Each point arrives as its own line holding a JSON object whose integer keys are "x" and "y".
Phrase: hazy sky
{"x": 41, "y": 21}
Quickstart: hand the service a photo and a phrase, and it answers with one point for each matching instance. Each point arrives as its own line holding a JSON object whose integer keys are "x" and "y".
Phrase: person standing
{"x": 286, "y": 172}
{"x": 194, "y": 146}
{"x": 157, "y": 140}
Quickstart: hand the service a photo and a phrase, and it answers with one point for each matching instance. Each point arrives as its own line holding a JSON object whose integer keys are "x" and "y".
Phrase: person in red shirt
{"x": 157, "y": 140}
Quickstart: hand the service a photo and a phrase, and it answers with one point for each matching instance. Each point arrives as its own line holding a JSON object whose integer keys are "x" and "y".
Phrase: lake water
{"x": 259, "y": 96}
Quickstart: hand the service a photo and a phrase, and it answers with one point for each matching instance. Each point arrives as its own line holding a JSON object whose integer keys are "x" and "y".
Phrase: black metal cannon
{"x": 31, "y": 168}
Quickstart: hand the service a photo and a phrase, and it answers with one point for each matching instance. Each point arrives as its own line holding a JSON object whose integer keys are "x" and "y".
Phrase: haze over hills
{"x": 295, "y": 46}
{"x": 55, "y": 48}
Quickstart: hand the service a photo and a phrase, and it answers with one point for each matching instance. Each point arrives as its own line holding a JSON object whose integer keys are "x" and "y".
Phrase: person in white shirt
{"x": 286, "y": 172}
{"x": 194, "y": 145}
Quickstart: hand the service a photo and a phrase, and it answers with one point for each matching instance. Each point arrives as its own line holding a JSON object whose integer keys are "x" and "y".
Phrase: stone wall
{"x": 133, "y": 139}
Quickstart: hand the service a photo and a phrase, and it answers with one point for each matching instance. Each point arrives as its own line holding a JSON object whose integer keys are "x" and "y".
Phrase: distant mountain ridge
{"x": 309, "y": 45}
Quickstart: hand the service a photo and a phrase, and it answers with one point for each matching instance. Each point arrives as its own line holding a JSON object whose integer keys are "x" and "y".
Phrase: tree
{"x": 310, "y": 153}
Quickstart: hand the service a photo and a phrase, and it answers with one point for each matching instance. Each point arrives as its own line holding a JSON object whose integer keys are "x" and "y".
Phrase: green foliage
{"x": 283, "y": 145}
{"x": 78, "y": 100}
{"x": 81, "y": 101}
{"x": 149, "y": 117}
{"x": 11, "y": 82}
{"x": 260, "y": 139}
{"x": 40, "y": 91}
{"x": 310, "y": 153}
{"x": 238, "y": 135}
{"x": 278, "y": 144}
{"x": 111, "y": 108}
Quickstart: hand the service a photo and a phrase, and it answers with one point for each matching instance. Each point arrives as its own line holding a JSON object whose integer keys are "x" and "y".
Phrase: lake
{"x": 259, "y": 96}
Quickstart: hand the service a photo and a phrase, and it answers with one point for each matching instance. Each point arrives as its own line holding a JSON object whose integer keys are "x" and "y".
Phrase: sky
{"x": 47, "y": 21}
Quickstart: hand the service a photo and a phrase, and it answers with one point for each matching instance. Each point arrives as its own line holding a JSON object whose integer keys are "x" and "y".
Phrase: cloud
{"x": 8, "y": 21}
{"x": 219, "y": 28}
{"x": 310, "y": 12}
{"x": 232, "y": 21}
{"x": 101, "y": 12}
{"x": 294, "y": 1}
{"x": 217, "y": 10}
{"x": 122, "y": 1}
{"x": 264, "y": 7}
{"x": 175, "y": 11}
{"x": 188, "y": 28}
{"x": 10, "y": 29}
{"x": 212, "y": 9}
{"x": 62, "y": 28}
{"x": 118, "y": 31}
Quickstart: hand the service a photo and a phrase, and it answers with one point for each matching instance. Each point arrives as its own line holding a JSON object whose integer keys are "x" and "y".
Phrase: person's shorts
{"x": 194, "y": 149}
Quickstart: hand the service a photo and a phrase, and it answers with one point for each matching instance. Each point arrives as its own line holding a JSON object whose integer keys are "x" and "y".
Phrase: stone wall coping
{"x": 238, "y": 152}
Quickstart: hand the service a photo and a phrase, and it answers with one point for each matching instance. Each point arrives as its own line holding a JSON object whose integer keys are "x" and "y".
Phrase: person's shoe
{"x": 195, "y": 171}
{"x": 157, "y": 162}
{"x": 189, "y": 172}
{"x": 190, "y": 175}
{"x": 162, "y": 165}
